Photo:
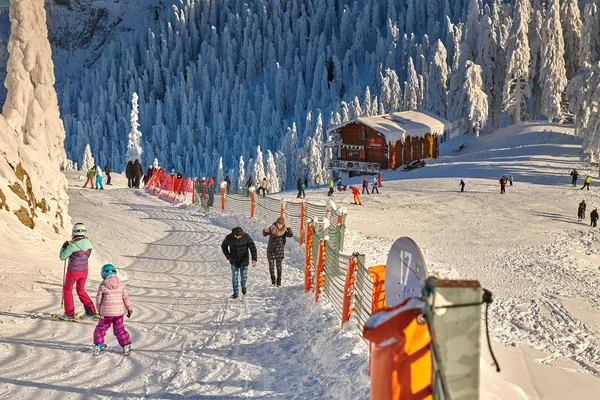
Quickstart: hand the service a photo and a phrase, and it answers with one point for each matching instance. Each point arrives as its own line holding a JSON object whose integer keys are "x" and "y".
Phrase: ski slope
{"x": 189, "y": 339}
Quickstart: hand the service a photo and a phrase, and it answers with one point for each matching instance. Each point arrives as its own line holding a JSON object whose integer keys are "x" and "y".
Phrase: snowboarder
{"x": 594, "y": 217}
{"x": 462, "y": 185}
{"x": 300, "y": 188}
{"x": 263, "y": 187}
{"x": 503, "y": 181}
{"x": 99, "y": 185}
{"x": 278, "y": 232}
{"x": 228, "y": 181}
{"x": 138, "y": 172}
{"x": 574, "y": 176}
{"x": 235, "y": 248}
{"x": 107, "y": 172}
{"x": 379, "y": 180}
{"x": 375, "y": 184}
{"x": 112, "y": 296}
{"x": 365, "y": 185}
{"x": 356, "y": 194}
{"x": 129, "y": 173}
{"x": 78, "y": 251}
{"x": 91, "y": 174}
{"x": 586, "y": 182}
{"x": 581, "y": 210}
{"x": 510, "y": 179}
{"x": 330, "y": 187}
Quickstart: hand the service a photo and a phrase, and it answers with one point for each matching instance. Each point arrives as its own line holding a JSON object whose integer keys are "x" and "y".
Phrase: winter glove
{"x": 65, "y": 244}
{"x": 129, "y": 312}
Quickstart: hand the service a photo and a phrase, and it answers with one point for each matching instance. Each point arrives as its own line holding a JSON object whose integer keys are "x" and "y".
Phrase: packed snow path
{"x": 189, "y": 338}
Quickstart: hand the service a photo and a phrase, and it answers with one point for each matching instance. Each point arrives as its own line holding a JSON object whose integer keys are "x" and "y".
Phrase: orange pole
{"x": 282, "y": 209}
{"x": 377, "y": 274}
{"x": 320, "y": 278}
{"x": 222, "y": 199}
{"x": 347, "y": 310}
{"x": 252, "y": 205}
{"x": 340, "y": 220}
{"x": 308, "y": 260}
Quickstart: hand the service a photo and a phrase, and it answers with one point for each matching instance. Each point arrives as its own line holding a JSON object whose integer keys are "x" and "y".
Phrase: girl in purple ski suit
{"x": 111, "y": 300}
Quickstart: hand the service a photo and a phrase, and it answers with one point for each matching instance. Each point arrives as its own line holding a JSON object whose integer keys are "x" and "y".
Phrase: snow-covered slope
{"x": 32, "y": 188}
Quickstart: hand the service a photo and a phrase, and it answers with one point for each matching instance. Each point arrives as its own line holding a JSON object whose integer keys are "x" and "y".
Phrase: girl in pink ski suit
{"x": 111, "y": 300}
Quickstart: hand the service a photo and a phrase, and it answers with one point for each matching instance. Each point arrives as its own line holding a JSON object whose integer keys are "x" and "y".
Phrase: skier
{"x": 129, "y": 173}
{"x": 594, "y": 217}
{"x": 278, "y": 232}
{"x": 462, "y": 185}
{"x": 148, "y": 175}
{"x": 249, "y": 184}
{"x": 574, "y": 177}
{"x": 99, "y": 185}
{"x": 365, "y": 185}
{"x": 211, "y": 192}
{"x": 300, "y": 188}
{"x": 581, "y": 210}
{"x": 340, "y": 186}
{"x": 228, "y": 181}
{"x": 138, "y": 172}
{"x": 305, "y": 181}
{"x": 78, "y": 251}
{"x": 586, "y": 182}
{"x": 375, "y": 184}
{"x": 235, "y": 248}
{"x": 379, "y": 180}
{"x": 112, "y": 296}
{"x": 510, "y": 179}
{"x": 263, "y": 187}
{"x": 91, "y": 174}
{"x": 330, "y": 187}
{"x": 356, "y": 194}
{"x": 107, "y": 172}
{"x": 503, "y": 181}
{"x": 317, "y": 182}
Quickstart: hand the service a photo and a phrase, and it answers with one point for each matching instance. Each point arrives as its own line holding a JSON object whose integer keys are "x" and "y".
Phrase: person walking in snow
{"x": 99, "y": 185}
{"x": 586, "y": 182}
{"x": 574, "y": 177}
{"x": 263, "y": 187}
{"x": 330, "y": 193}
{"x": 228, "y": 181}
{"x": 375, "y": 184}
{"x": 503, "y": 181}
{"x": 581, "y": 210}
{"x": 594, "y": 218}
{"x": 278, "y": 232}
{"x": 300, "y": 186}
{"x": 129, "y": 174}
{"x": 78, "y": 251}
{"x": 91, "y": 175}
{"x": 510, "y": 179}
{"x": 356, "y": 194}
{"x": 211, "y": 192}
{"x": 379, "y": 180}
{"x": 462, "y": 185}
{"x": 365, "y": 185}
{"x": 148, "y": 175}
{"x": 111, "y": 298}
{"x": 138, "y": 172}
{"x": 305, "y": 181}
{"x": 235, "y": 248}
{"x": 317, "y": 183}
{"x": 107, "y": 172}
{"x": 249, "y": 184}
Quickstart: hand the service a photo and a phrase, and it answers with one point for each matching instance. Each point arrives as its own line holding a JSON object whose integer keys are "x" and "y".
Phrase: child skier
{"x": 586, "y": 182}
{"x": 356, "y": 194}
{"x": 99, "y": 185}
{"x": 375, "y": 185}
{"x": 91, "y": 174}
{"x": 78, "y": 251}
{"x": 112, "y": 296}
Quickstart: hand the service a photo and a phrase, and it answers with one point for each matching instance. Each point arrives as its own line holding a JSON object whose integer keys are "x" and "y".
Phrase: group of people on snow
{"x": 94, "y": 175}
{"x": 581, "y": 214}
{"x": 575, "y": 176}
{"x": 134, "y": 173}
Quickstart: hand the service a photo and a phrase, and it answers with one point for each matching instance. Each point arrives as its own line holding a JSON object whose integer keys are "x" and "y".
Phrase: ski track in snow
{"x": 189, "y": 339}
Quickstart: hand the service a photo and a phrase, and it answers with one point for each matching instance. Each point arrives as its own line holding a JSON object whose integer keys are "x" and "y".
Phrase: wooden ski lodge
{"x": 367, "y": 145}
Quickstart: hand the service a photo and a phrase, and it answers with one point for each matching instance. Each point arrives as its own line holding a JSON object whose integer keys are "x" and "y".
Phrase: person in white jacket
{"x": 99, "y": 185}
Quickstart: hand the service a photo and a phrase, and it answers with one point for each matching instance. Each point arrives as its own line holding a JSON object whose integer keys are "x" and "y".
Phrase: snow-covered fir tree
{"x": 134, "y": 145}
{"x": 241, "y": 174}
{"x": 438, "y": 81}
{"x": 259, "y": 166}
{"x": 571, "y": 24}
{"x": 87, "y": 161}
{"x": 272, "y": 177}
{"x": 474, "y": 103}
{"x": 220, "y": 173}
{"x": 281, "y": 166}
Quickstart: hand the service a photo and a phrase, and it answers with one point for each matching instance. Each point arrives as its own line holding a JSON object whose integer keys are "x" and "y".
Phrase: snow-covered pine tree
{"x": 220, "y": 173}
{"x": 571, "y": 24}
{"x": 259, "y": 166}
{"x": 241, "y": 173}
{"x": 411, "y": 88}
{"x": 438, "y": 81}
{"x": 474, "y": 101}
{"x": 134, "y": 145}
{"x": 590, "y": 38}
{"x": 87, "y": 160}
{"x": 272, "y": 177}
{"x": 553, "y": 76}
{"x": 282, "y": 172}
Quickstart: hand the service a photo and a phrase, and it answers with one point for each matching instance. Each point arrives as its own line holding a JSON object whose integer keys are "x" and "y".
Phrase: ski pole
{"x": 62, "y": 292}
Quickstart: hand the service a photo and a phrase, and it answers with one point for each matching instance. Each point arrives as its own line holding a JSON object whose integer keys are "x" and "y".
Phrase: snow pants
{"x": 586, "y": 185}
{"x": 330, "y": 192}
{"x": 357, "y": 199}
{"x": 78, "y": 278}
{"x": 235, "y": 274}
{"x": 365, "y": 188}
{"x": 90, "y": 181}
{"x": 301, "y": 193}
{"x": 104, "y": 324}
{"x": 374, "y": 190}
{"x": 593, "y": 224}
{"x": 272, "y": 263}
{"x": 99, "y": 184}
{"x": 574, "y": 182}
{"x": 502, "y": 189}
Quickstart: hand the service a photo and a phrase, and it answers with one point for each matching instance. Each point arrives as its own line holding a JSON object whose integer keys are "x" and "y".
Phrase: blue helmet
{"x": 107, "y": 270}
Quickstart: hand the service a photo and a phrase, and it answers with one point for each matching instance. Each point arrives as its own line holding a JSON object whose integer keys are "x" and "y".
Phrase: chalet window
{"x": 353, "y": 155}
{"x": 363, "y": 133}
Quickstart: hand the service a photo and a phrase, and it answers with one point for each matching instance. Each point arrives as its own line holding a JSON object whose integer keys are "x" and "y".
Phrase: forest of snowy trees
{"x": 220, "y": 80}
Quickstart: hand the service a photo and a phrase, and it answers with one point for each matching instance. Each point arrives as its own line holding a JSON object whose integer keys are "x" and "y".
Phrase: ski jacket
{"x": 107, "y": 169}
{"x": 365, "y": 183}
{"x": 594, "y": 216}
{"x": 236, "y": 250}
{"x": 129, "y": 170}
{"x": 588, "y": 179}
{"x": 503, "y": 181}
{"x": 355, "y": 191}
{"x": 277, "y": 239}
{"x": 375, "y": 183}
{"x": 264, "y": 184}
{"x": 99, "y": 173}
{"x": 137, "y": 169}
{"x": 91, "y": 173}
{"x": 112, "y": 297}
{"x": 331, "y": 184}
{"x": 78, "y": 252}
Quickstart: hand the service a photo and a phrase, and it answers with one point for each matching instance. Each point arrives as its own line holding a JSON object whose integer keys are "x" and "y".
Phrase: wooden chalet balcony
{"x": 354, "y": 166}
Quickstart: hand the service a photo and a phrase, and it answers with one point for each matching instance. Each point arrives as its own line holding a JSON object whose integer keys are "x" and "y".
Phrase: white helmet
{"x": 79, "y": 229}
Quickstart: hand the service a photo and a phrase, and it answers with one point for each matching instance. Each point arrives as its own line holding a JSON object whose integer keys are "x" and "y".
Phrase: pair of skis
{"x": 100, "y": 350}
{"x": 62, "y": 318}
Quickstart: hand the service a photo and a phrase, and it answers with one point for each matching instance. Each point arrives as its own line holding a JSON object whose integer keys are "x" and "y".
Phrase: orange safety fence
{"x": 223, "y": 199}
{"x": 320, "y": 272}
{"x": 347, "y": 308}
{"x": 174, "y": 188}
{"x": 308, "y": 259}
{"x": 377, "y": 274}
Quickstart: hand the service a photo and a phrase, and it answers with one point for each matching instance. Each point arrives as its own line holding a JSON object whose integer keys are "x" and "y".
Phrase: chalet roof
{"x": 397, "y": 126}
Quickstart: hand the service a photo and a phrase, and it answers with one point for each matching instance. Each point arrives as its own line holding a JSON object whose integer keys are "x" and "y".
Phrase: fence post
{"x": 282, "y": 208}
{"x": 252, "y": 204}
{"x": 302, "y": 225}
{"x": 320, "y": 278}
{"x": 193, "y": 192}
{"x": 222, "y": 199}
{"x": 308, "y": 259}
{"x": 377, "y": 274}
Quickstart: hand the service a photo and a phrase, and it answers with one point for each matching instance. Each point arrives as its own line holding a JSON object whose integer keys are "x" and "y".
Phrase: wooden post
{"x": 222, "y": 199}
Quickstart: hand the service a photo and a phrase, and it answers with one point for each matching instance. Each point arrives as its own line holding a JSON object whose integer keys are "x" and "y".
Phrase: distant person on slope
{"x": 574, "y": 177}
{"x": 462, "y": 185}
{"x": 356, "y": 194}
{"x": 594, "y": 218}
{"x": 503, "y": 181}
{"x": 263, "y": 187}
{"x": 78, "y": 251}
{"x": 375, "y": 184}
{"x": 138, "y": 172}
{"x": 91, "y": 174}
{"x": 365, "y": 185}
{"x": 379, "y": 180}
{"x": 129, "y": 173}
{"x": 249, "y": 184}
{"x": 107, "y": 172}
{"x": 510, "y": 179}
{"x": 278, "y": 232}
{"x": 235, "y": 248}
{"x": 111, "y": 299}
{"x": 99, "y": 185}
{"x": 581, "y": 210}
{"x": 330, "y": 193}
{"x": 228, "y": 181}
{"x": 586, "y": 182}
{"x": 300, "y": 186}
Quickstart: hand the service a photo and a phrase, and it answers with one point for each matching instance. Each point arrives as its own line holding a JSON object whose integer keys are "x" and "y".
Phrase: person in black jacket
{"x": 278, "y": 232}
{"x": 235, "y": 247}
{"x": 107, "y": 172}
{"x": 138, "y": 172}
{"x": 129, "y": 173}
{"x": 581, "y": 210}
{"x": 594, "y": 218}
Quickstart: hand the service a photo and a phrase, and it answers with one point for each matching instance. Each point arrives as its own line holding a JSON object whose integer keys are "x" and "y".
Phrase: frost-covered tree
{"x": 474, "y": 101}
{"x": 241, "y": 173}
{"x": 259, "y": 166}
{"x": 220, "y": 173}
{"x": 134, "y": 144}
{"x": 437, "y": 86}
{"x": 282, "y": 172}
{"x": 87, "y": 160}
{"x": 590, "y": 39}
{"x": 272, "y": 177}
{"x": 553, "y": 76}
{"x": 411, "y": 88}
{"x": 571, "y": 24}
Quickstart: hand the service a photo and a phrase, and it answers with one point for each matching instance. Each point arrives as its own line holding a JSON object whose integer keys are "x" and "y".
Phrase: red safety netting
{"x": 172, "y": 187}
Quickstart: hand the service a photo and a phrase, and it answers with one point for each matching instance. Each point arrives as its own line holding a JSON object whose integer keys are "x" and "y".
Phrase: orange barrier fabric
{"x": 308, "y": 259}
{"x": 401, "y": 366}
{"x": 347, "y": 308}
{"x": 377, "y": 274}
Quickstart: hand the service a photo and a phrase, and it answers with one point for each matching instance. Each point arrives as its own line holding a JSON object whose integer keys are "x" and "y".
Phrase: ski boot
{"x": 99, "y": 349}
{"x": 89, "y": 313}
{"x": 64, "y": 317}
{"x": 234, "y": 296}
{"x": 244, "y": 291}
{"x": 126, "y": 349}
